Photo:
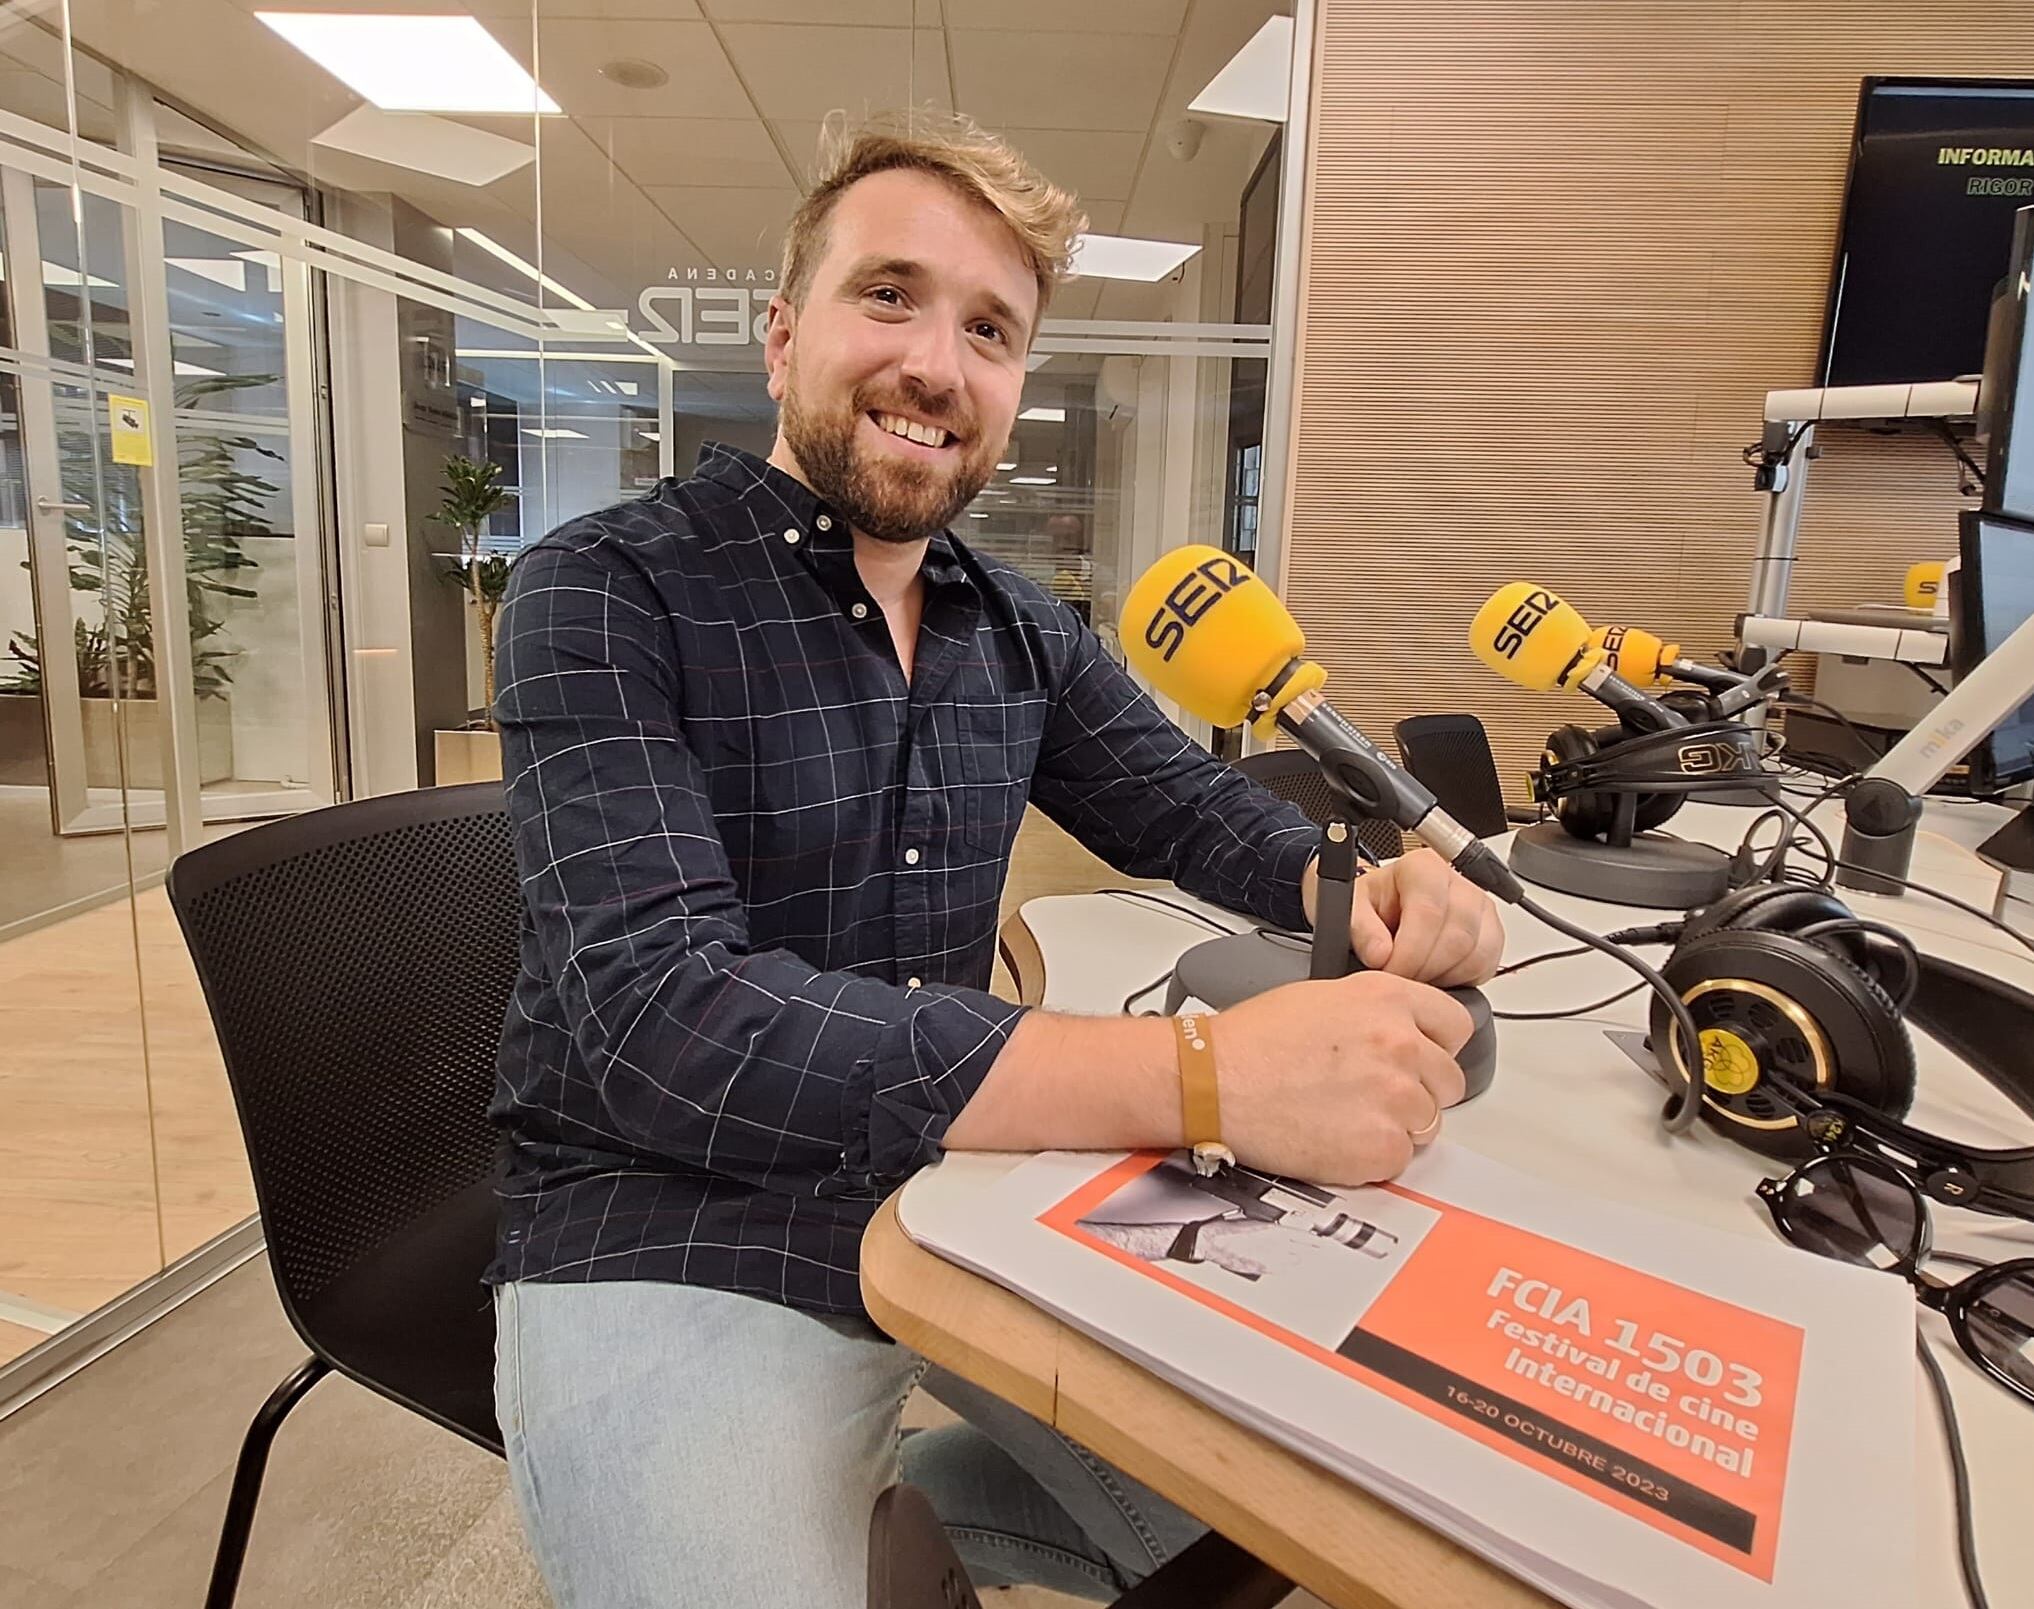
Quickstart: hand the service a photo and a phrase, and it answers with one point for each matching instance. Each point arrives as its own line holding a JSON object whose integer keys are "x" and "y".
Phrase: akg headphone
{"x": 1584, "y": 775}
{"x": 1802, "y": 1009}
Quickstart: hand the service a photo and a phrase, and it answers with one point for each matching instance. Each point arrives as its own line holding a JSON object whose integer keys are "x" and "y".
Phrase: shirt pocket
{"x": 999, "y": 743}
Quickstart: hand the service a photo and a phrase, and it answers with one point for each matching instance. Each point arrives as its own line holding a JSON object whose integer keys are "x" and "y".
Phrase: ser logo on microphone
{"x": 1534, "y": 607}
{"x": 1192, "y": 596}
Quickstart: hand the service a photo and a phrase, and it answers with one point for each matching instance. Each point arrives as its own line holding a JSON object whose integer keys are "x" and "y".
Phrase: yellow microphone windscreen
{"x": 1924, "y": 581}
{"x": 1202, "y": 629}
{"x": 1533, "y": 637}
{"x": 1638, "y": 656}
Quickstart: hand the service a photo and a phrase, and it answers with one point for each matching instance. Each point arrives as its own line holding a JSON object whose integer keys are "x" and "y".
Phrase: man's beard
{"x": 892, "y": 500}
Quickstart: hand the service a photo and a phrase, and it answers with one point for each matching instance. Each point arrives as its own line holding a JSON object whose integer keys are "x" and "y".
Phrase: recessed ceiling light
{"x": 177, "y": 367}
{"x": 476, "y": 402}
{"x": 632, "y": 72}
{"x": 1121, "y": 257}
{"x": 1011, "y": 465}
{"x": 974, "y": 516}
{"x": 651, "y": 435}
{"x": 414, "y": 64}
{"x": 627, "y": 388}
{"x": 224, "y": 271}
{"x": 1031, "y": 480}
{"x": 1254, "y": 83}
{"x": 527, "y": 270}
{"x": 434, "y": 145}
{"x": 550, "y": 434}
{"x": 1053, "y": 414}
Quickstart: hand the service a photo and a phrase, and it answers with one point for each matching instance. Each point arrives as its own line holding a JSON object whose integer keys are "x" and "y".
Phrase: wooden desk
{"x": 1343, "y": 1545}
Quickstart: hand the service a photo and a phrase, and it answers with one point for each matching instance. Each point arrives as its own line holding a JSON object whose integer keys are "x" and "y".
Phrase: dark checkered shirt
{"x": 761, "y": 871}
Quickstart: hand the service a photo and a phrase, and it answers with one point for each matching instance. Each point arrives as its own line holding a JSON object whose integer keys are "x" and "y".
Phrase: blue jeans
{"x": 673, "y": 1446}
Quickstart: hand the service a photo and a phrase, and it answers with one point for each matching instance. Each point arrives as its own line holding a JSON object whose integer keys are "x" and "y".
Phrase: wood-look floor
{"x": 111, "y": 1161}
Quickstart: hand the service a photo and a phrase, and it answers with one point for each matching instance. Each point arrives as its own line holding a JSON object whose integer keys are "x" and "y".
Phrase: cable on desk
{"x": 1966, "y": 1531}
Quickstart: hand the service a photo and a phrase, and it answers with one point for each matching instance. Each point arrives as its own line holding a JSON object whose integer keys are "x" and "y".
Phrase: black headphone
{"x": 1586, "y": 776}
{"x": 1802, "y": 1007}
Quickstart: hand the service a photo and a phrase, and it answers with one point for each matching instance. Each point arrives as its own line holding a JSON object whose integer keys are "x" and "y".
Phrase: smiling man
{"x": 768, "y": 734}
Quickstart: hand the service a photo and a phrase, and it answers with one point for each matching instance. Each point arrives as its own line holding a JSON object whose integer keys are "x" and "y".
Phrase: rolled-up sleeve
{"x": 749, "y": 1064}
{"x": 1150, "y": 801}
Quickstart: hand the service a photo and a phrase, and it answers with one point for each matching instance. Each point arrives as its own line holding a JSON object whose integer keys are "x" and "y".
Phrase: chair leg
{"x": 912, "y": 1564}
{"x": 247, "y": 1475}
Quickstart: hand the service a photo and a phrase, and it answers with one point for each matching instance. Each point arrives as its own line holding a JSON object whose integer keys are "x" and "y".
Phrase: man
{"x": 768, "y": 734}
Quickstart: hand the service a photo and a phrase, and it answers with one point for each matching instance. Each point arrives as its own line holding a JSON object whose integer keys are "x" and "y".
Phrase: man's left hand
{"x": 1418, "y": 918}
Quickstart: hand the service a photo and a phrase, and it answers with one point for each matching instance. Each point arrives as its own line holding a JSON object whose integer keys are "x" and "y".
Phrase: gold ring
{"x": 1423, "y": 1136}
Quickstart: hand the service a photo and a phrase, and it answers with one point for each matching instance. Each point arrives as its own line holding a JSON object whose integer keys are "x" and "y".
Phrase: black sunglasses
{"x": 1863, "y": 1210}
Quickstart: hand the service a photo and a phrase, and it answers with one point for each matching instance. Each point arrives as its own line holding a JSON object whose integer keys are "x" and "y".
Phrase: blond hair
{"x": 951, "y": 147}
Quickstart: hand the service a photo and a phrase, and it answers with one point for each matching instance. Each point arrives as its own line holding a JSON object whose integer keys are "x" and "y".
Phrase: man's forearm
{"x": 1077, "y": 1084}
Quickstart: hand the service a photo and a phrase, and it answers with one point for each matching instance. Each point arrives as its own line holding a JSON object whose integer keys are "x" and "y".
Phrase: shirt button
{"x": 914, "y": 983}
{"x": 824, "y": 522}
{"x": 791, "y": 535}
{"x": 860, "y": 611}
{"x": 911, "y": 857}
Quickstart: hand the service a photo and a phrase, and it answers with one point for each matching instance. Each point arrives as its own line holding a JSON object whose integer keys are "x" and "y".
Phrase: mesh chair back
{"x": 1450, "y": 755}
{"x": 358, "y": 963}
{"x": 1295, "y": 776}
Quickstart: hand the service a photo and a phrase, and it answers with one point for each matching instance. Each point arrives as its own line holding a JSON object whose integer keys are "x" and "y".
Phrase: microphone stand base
{"x": 1655, "y": 872}
{"x": 1222, "y": 972}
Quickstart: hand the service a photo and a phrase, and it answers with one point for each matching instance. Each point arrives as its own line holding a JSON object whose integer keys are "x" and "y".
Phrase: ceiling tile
{"x": 1059, "y": 81}
{"x": 804, "y": 73}
{"x": 572, "y": 52}
{"x": 735, "y": 228}
{"x": 502, "y": 11}
{"x": 1070, "y": 16}
{"x": 1096, "y": 165}
{"x": 691, "y": 150}
{"x": 853, "y": 13}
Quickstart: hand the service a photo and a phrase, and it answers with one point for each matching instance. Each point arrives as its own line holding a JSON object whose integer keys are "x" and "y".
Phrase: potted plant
{"x": 115, "y": 651}
{"x": 474, "y": 494}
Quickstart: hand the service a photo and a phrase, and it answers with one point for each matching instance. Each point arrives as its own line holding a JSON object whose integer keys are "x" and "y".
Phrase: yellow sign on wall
{"x": 132, "y": 442}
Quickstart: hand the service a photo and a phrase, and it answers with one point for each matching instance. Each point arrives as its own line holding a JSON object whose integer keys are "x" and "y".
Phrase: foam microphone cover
{"x": 1638, "y": 656}
{"x": 1533, "y": 637}
{"x": 1202, "y": 629}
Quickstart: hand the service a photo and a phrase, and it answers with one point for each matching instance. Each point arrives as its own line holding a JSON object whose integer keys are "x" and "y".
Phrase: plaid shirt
{"x": 761, "y": 872}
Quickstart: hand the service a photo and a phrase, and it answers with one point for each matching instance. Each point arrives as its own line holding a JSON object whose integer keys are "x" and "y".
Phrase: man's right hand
{"x": 1329, "y": 1080}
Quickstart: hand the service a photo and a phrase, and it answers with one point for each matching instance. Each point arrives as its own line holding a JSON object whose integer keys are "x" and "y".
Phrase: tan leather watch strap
{"x": 1200, "y": 1101}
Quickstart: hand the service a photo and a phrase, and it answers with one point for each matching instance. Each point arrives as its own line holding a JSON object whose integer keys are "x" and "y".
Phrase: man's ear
{"x": 781, "y": 317}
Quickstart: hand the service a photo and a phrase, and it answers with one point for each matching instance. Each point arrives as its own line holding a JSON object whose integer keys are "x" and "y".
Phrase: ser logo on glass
{"x": 1195, "y": 594}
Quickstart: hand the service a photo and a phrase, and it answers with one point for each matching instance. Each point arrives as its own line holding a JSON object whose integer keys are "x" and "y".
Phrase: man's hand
{"x": 1418, "y": 918}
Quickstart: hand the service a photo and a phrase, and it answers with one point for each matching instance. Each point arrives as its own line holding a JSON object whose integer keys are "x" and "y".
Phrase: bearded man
{"x": 768, "y": 733}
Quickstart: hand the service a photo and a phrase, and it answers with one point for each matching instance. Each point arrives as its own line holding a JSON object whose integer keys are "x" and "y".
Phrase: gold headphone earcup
{"x": 1771, "y": 1009}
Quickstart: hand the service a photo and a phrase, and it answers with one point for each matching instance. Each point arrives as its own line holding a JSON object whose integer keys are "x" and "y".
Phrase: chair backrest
{"x": 358, "y": 963}
{"x": 1297, "y": 777}
{"x": 1450, "y": 755}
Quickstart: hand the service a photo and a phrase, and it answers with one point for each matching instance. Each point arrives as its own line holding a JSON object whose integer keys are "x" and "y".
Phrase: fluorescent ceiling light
{"x": 1031, "y": 480}
{"x": 553, "y": 434}
{"x": 1011, "y": 465}
{"x": 178, "y": 367}
{"x": 224, "y": 271}
{"x": 269, "y": 260}
{"x": 476, "y": 402}
{"x": 527, "y": 270}
{"x": 651, "y": 435}
{"x": 551, "y": 354}
{"x": 1054, "y": 414}
{"x": 627, "y": 388}
{"x": 1122, "y": 257}
{"x": 433, "y": 145}
{"x": 413, "y": 64}
{"x": 1254, "y": 84}
{"x": 974, "y": 516}
{"x": 59, "y": 277}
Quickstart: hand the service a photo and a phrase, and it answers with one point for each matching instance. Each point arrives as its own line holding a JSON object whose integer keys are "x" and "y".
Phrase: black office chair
{"x": 1296, "y": 776}
{"x": 358, "y": 962}
{"x": 1450, "y": 755}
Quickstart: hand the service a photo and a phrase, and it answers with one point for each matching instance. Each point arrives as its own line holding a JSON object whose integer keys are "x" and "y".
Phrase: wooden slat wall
{"x": 1556, "y": 255}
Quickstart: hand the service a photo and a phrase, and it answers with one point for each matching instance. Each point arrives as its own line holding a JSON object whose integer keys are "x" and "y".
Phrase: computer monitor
{"x": 2005, "y": 411}
{"x": 1992, "y": 596}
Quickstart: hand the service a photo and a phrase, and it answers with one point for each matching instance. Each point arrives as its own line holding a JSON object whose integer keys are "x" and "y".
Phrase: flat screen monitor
{"x": 1991, "y": 597}
{"x": 1938, "y": 168}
